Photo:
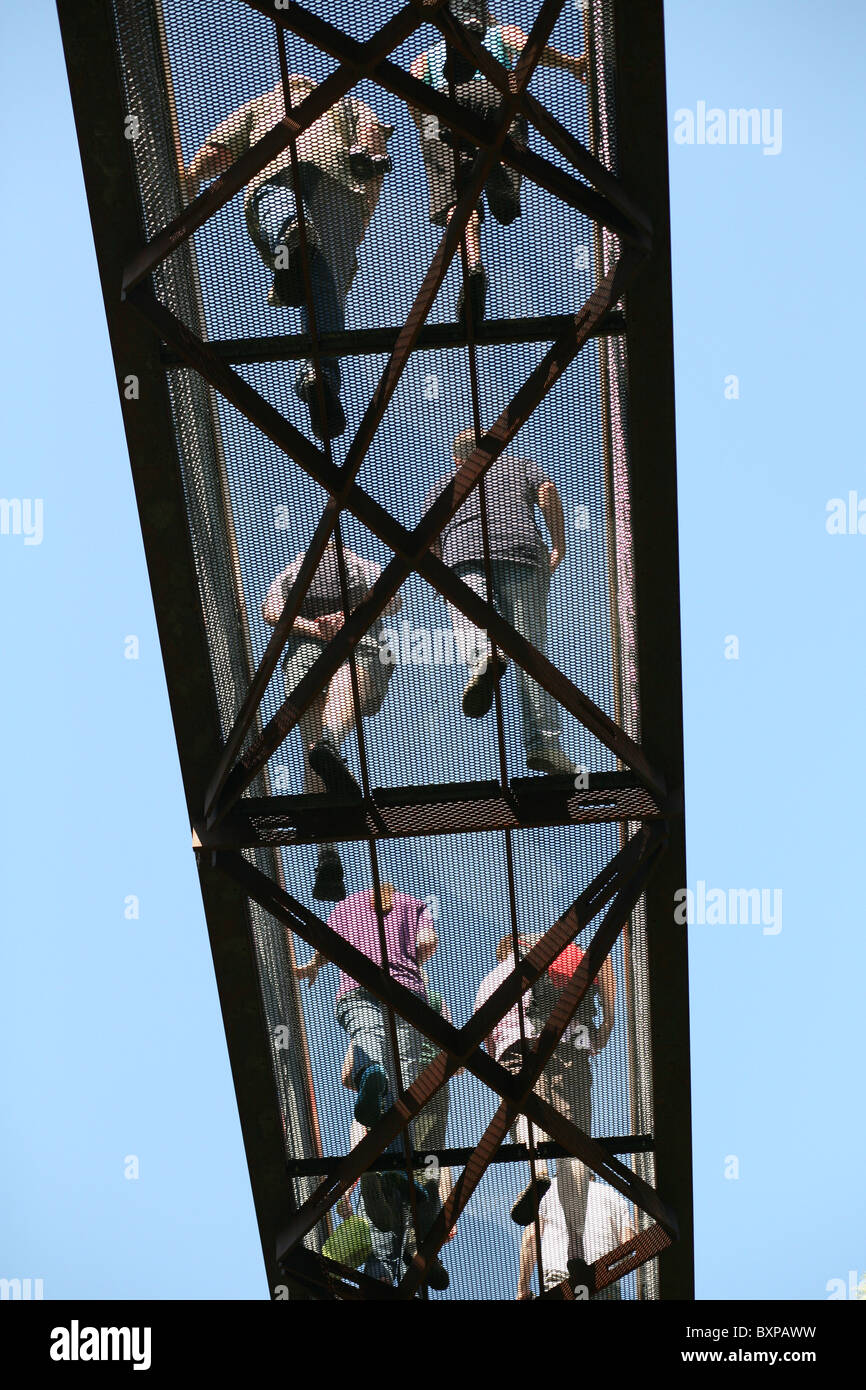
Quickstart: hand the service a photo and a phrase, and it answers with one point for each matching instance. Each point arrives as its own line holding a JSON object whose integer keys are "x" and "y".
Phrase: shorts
{"x": 303, "y": 652}
{"x": 503, "y": 183}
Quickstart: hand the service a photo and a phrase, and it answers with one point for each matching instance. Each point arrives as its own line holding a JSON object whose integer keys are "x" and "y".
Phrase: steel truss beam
{"x": 449, "y": 1158}
{"x": 623, "y": 880}
{"x": 289, "y": 347}
{"x": 441, "y": 809}
{"x": 411, "y": 549}
{"x": 299, "y": 448}
{"x": 228, "y": 785}
{"x": 226, "y": 821}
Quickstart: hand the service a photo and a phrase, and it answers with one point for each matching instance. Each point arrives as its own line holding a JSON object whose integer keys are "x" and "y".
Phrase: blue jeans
{"x": 520, "y": 592}
{"x": 363, "y": 1018}
{"x": 334, "y": 217}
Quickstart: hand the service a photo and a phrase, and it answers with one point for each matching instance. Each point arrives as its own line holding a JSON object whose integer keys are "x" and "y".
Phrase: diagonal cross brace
{"x": 413, "y": 546}
{"x": 460, "y": 1047}
{"x": 538, "y": 1055}
{"x": 619, "y": 1261}
{"x": 610, "y": 205}
{"x": 405, "y": 543}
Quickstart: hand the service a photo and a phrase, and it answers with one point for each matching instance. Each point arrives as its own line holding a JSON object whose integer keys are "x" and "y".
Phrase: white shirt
{"x": 608, "y": 1221}
{"x": 507, "y": 1031}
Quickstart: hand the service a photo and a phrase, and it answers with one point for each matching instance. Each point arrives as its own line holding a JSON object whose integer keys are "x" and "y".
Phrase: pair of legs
{"x": 335, "y": 221}
{"x": 385, "y": 1198}
{"x": 566, "y": 1084}
{"x": 363, "y": 1017}
{"x": 324, "y": 726}
{"x": 448, "y": 163}
{"x": 520, "y": 592}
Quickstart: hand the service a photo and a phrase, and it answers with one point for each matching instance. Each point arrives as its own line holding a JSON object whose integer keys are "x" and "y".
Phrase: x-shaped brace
{"x": 462, "y": 1047}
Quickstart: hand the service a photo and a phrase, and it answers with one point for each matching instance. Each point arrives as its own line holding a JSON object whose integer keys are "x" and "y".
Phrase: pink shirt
{"x": 355, "y": 920}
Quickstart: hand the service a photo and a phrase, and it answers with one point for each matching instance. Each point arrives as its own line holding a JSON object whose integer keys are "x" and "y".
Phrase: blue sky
{"x": 114, "y": 1043}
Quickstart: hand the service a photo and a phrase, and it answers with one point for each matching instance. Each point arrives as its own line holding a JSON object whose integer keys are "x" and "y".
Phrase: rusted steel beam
{"x": 592, "y": 169}
{"x": 245, "y": 398}
{"x": 459, "y": 1047}
{"x": 618, "y": 1262}
{"x": 439, "y": 809}
{"x": 540, "y": 1052}
{"x": 536, "y": 42}
{"x": 539, "y": 382}
{"x": 456, "y": 1157}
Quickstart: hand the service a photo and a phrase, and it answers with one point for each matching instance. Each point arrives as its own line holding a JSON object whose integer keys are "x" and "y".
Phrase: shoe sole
{"x": 503, "y": 201}
{"x": 477, "y": 297}
{"x": 478, "y": 695}
{"x": 289, "y": 282}
{"x": 335, "y": 423}
{"x": 334, "y": 773}
{"x": 527, "y": 1204}
{"x": 330, "y": 890}
{"x": 368, "y": 1106}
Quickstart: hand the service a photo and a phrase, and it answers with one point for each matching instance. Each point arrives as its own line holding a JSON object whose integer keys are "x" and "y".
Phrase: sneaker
{"x": 307, "y": 390}
{"x": 382, "y": 1212}
{"x": 326, "y": 760}
{"x": 552, "y": 761}
{"x": 478, "y": 694}
{"x": 330, "y": 886}
{"x": 371, "y": 1092}
{"x": 473, "y": 290}
{"x": 503, "y": 195}
{"x": 526, "y": 1206}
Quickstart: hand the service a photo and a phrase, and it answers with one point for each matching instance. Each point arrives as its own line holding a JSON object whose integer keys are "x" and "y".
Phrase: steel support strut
{"x": 598, "y": 194}
{"x": 462, "y": 1047}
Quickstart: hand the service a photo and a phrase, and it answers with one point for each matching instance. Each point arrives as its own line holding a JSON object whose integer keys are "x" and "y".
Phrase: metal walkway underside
{"x": 570, "y": 367}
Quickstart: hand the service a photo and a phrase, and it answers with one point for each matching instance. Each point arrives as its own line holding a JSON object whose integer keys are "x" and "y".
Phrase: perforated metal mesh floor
{"x": 450, "y": 813}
